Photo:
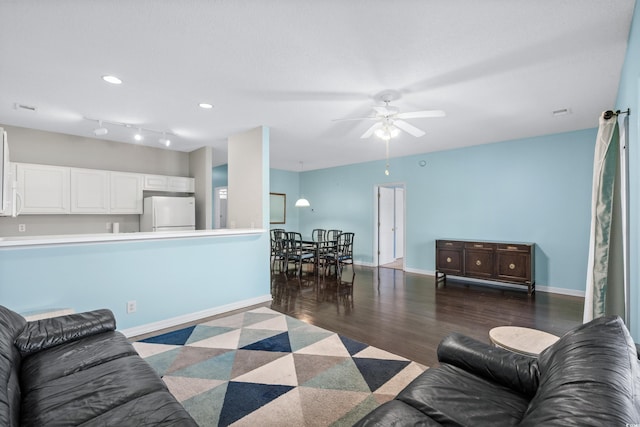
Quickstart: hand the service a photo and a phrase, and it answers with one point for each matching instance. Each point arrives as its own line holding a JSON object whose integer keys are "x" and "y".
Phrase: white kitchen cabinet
{"x": 181, "y": 184}
{"x": 126, "y": 193}
{"x": 156, "y": 182}
{"x": 89, "y": 191}
{"x": 43, "y": 189}
{"x": 176, "y": 184}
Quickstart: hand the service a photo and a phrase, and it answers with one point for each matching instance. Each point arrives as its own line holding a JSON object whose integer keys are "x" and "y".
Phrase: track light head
{"x": 164, "y": 141}
{"x": 100, "y": 130}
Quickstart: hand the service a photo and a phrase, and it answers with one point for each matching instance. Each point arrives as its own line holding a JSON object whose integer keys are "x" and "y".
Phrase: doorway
{"x": 389, "y": 226}
{"x": 220, "y": 207}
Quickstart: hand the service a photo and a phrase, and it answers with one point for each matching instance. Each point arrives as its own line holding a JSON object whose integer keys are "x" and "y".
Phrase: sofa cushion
{"x": 11, "y": 324}
{"x": 149, "y": 410}
{"x": 106, "y": 390}
{"x": 46, "y": 333}
{"x": 66, "y": 359}
{"x": 396, "y": 414}
{"x": 453, "y": 396}
{"x": 588, "y": 377}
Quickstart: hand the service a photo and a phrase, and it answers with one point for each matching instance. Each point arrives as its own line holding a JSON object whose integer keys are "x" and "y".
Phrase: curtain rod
{"x": 610, "y": 113}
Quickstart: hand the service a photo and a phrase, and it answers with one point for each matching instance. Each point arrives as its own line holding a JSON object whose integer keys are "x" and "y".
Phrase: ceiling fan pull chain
{"x": 386, "y": 171}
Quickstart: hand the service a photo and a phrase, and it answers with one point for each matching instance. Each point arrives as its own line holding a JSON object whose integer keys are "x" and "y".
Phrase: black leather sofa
{"x": 590, "y": 377}
{"x": 77, "y": 370}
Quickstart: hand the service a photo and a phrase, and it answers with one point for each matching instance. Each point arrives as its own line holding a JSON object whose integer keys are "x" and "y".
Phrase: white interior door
{"x": 220, "y": 207}
{"x": 386, "y": 234}
{"x": 399, "y": 224}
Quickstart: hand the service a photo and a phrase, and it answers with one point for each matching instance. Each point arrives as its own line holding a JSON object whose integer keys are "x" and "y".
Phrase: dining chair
{"x": 332, "y": 234}
{"x": 297, "y": 253}
{"x": 339, "y": 254}
{"x": 345, "y": 251}
{"x": 318, "y": 235}
{"x": 278, "y": 255}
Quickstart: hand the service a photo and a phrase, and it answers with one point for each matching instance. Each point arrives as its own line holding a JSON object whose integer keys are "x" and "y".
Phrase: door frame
{"x": 376, "y": 254}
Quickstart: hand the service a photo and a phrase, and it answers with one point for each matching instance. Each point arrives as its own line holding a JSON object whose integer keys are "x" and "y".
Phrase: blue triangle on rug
{"x": 178, "y": 337}
{"x": 278, "y": 342}
{"x": 376, "y": 372}
{"x": 352, "y": 346}
{"x": 243, "y": 398}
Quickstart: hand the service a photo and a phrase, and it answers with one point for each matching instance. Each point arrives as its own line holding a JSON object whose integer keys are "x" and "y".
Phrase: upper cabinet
{"x": 126, "y": 193}
{"x": 176, "y": 184}
{"x": 43, "y": 189}
{"x": 89, "y": 191}
{"x": 48, "y": 189}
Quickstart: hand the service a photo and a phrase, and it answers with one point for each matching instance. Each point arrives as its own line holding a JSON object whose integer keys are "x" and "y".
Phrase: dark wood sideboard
{"x": 496, "y": 261}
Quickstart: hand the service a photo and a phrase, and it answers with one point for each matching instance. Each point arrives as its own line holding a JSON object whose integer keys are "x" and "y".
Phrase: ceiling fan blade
{"x": 371, "y": 130}
{"x": 354, "y": 118}
{"x": 421, "y": 114}
{"x": 410, "y": 129}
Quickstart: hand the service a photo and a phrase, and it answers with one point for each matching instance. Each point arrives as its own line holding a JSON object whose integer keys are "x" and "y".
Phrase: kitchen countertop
{"x": 27, "y": 241}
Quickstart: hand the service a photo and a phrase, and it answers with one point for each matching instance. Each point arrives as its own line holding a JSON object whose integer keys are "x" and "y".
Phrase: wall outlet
{"x": 22, "y": 228}
{"x": 108, "y": 226}
{"x": 131, "y": 307}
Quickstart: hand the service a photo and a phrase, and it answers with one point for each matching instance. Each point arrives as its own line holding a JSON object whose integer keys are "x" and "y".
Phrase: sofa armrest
{"x": 517, "y": 372}
{"x": 46, "y": 333}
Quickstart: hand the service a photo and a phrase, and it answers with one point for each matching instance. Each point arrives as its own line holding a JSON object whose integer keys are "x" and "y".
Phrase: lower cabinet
{"x": 496, "y": 261}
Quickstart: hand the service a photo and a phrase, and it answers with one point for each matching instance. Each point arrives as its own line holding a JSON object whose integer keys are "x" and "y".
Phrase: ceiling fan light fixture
{"x": 387, "y": 132}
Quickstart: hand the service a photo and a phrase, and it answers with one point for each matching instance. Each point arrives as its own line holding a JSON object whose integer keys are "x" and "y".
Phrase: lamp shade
{"x": 302, "y": 203}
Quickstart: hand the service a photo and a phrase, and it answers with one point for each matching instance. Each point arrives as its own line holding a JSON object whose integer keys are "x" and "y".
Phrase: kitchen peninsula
{"x": 12, "y": 242}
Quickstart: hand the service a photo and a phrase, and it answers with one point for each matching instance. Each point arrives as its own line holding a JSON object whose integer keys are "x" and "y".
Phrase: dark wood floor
{"x": 407, "y": 314}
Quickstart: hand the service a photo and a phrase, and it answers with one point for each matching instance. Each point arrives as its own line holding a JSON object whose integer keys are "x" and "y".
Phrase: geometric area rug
{"x": 263, "y": 368}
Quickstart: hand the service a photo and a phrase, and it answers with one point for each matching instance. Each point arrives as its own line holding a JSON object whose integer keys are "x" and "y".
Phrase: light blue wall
{"x": 167, "y": 278}
{"x": 628, "y": 96}
{"x": 220, "y": 176}
{"x": 531, "y": 190}
{"x": 288, "y": 183}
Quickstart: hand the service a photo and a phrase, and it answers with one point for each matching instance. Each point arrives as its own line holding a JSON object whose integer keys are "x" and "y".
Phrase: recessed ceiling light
{"x": 112, "y": 79}
{"x": 205, "y": 105}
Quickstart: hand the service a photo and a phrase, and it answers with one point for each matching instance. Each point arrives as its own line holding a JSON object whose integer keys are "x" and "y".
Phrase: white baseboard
{"x": 366, "y": 264}
{"x": 186, "y": 318}
{"x": 539, "y": 288}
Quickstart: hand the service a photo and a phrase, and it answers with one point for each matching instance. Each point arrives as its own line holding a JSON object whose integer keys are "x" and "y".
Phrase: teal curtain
{"x": 605, "y": 284}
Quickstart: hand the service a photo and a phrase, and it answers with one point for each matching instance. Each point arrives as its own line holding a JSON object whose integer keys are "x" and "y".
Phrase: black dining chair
{"x": 339, "y": 253}
{"x": 345, "y": 251}
{"x": 297, "y": 253}
{"x": 318, "y": 235}
{"x": 332, "y": 234}
{"x": 278, "y": 254}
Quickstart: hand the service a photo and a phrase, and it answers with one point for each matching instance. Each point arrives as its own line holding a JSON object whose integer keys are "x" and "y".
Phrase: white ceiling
{"x": 499, "y": 68}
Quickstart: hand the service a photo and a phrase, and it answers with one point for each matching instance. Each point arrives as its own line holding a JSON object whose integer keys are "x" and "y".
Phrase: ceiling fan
{"x": 390, "y": 121}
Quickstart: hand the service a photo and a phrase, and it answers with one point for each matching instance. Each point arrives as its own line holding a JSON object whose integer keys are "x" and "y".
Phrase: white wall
{"x": 245, "y": 200}
{"x": 200, "y": 165}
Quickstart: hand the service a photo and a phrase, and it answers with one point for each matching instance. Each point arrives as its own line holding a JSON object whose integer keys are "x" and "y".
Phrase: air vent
{"x": 561, "y": 112}
{"x": 23, "y": 107}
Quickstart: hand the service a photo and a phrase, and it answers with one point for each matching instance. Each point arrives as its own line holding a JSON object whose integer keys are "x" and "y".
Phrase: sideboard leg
{"x": 441, "y": 277}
